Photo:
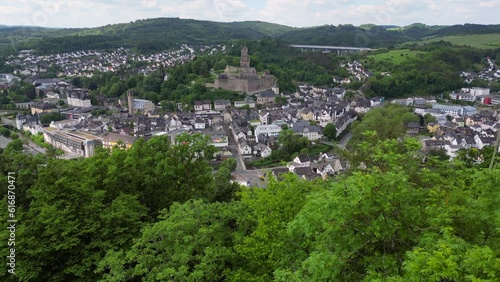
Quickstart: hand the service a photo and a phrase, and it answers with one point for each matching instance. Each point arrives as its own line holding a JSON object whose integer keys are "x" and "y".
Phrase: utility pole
{"x": 495, "y": 149}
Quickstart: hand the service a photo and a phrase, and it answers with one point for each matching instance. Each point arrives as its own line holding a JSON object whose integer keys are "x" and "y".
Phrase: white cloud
{"x": 148, "y": 3}
{"x": 489, "y": 4}
{"x": 82, "y": 13}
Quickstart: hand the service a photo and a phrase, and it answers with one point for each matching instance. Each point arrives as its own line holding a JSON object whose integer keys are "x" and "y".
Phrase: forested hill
{"x": 379, "y": 36}
{"x": 143, "y": 35}
{"x": 161, "y": 33}
{"x": 345, "y": 35}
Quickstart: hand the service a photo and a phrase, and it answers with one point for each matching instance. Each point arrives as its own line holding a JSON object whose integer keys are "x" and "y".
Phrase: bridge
{"x": 327, "y": 49}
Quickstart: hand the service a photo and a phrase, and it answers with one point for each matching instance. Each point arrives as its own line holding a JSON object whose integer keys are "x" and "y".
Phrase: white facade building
{"x": 267, "y": 129}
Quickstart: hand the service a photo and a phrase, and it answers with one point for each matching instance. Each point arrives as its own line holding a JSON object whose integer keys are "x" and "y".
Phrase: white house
{"x": 78, "y": 98}
{"x": 453, "y": 111}
{"x": 309, "y": 131}
{"x": 262, "y": 150}
{"x": 244, "y": 148}
{"x": 326, "y": 167}
{"x": 199, "y": 124}
{"x": 221, "y": 104}
{"x": 198, "y": 105}
{"x": 267, "y": 130}
{"x": 248, "y": 101}
{"x": 303, "y": 160}
{"x": 462, "y": 97}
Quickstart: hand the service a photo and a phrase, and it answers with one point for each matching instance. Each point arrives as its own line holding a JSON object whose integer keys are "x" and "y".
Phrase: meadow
{"x": 483, "y": 41}
{"x": 397, "y": 56}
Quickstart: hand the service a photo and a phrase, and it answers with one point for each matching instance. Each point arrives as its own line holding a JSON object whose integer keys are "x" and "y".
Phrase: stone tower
{"x": 245, "y": 60}
{"x": 130, "y": 102}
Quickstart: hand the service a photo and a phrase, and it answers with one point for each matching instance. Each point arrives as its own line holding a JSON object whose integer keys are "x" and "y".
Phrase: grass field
{"x": 483, "y": 41}
{"x": 396, "y": 56}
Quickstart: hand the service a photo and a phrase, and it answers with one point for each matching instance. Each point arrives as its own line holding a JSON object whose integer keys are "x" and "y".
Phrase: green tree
{"x": 330, "y": 131}
{"x": 192, "y": 241}
{"x": 151, "y": 83}
{"x": 47, "y": 118}
{"x": 387, "y": 122}
{"x": 280, "y": 100}
{"x": 64, "y": 236}
{"x": 16, "y": 145}
{"x": 290, "y": 142}
{"x": 360, "y": 228}
{"x": 168, "y": 106}
{"x": 267, "y": 214}
{"x": 230, "y": 164}
{"x": 224, "y": 190}
{"x": 5, "y": 132}
{"x": 429, "y": 118}
{"x": 77, "y": 82}
{"x": 221, "y": 64}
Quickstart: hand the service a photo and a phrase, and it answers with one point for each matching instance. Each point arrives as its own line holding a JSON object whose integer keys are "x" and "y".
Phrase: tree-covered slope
{"x": 344, "y": 35}
{"x": 143, "y": 35}
{"x": 158, "y": 213}
{"x": 160, "y": 33}
{"x": 378, "y": 36}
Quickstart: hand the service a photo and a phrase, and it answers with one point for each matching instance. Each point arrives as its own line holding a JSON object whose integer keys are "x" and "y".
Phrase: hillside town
{"x": 248, "y": 129}
{"x": 456, "y": 127}
{"x": 86, "y": 63}
{"x": 251, "y": 125}
{"x": 489, "y": 73}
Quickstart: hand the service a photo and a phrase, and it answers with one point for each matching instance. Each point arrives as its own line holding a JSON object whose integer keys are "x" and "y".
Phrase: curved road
{"x": 31, "y": 147}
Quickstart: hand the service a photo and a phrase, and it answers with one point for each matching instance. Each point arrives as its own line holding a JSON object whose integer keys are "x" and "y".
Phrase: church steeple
{"x": 245, "y": 60}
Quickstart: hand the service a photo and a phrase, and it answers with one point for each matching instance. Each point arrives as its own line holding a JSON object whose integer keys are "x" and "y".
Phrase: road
{"x": 345, "y": 139}
{"x": 241, "y": 174}
{"x": 240, "y": 164}
{"x": 30, "y": 146}
{"x": 4, "y": 142}
{"x": 33, "y": 146}
{"x": 8, "y": 121}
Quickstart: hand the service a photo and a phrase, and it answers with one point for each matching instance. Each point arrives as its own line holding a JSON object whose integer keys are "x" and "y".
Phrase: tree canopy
{"x": 158, "y": 212}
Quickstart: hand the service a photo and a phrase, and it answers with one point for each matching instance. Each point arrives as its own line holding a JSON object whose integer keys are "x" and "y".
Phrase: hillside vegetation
{"x": 483, "y": 41}
{"x": 157, "y": 212}
{"x": 143, "y": 35}
{"x": 397, "y": 57}
{"x": 162, "y": 33}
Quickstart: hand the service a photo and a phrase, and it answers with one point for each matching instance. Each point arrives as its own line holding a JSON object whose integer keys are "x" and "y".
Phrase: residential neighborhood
{"x": 252, "y": 130}
{"x": 87, "y": 62}
{"x": 488, "y": 73}
{"x": 249, "y": 129}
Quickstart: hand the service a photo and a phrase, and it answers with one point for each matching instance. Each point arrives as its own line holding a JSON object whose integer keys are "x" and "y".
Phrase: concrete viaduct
{"x": 339, "y": 49}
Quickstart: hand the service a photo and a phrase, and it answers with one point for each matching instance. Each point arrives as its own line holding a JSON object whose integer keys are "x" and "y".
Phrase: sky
{"x": 296, "y": 13}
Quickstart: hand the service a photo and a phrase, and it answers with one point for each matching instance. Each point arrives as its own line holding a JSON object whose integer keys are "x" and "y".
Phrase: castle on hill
{"x": 244, "y": 78}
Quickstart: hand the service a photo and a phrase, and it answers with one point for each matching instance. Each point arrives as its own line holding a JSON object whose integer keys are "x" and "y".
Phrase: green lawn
{"x": 483, "y": 41}
{"x": 396, "y": 56}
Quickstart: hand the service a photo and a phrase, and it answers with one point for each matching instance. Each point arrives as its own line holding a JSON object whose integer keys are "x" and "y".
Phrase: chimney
{"x": 130, "y": 102}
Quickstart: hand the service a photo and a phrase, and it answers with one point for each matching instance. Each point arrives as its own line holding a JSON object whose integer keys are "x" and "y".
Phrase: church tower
{"x": 130, "y": 102}
{"x": 245, "y": 60}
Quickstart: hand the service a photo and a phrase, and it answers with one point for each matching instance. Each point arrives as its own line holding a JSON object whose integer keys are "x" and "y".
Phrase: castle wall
{"x": 263, "y": 83}
{"x": 245, "y": 85}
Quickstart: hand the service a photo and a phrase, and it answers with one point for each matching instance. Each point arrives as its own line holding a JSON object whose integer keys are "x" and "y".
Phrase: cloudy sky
{"x": 298, "y": 13}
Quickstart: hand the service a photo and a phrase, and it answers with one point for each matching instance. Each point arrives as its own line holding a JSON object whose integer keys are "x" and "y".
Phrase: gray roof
{"x": 267, "y": 94}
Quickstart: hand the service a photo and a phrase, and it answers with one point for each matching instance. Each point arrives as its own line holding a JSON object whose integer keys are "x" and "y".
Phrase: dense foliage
{"x": 74, "y": 211}
{"x": 151, "y": 214}
{"x": 386, "y": 122}
{"x": 161, "y": 33}
{"x": 149, "y": 35}
{"x": 435, "y": 69}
